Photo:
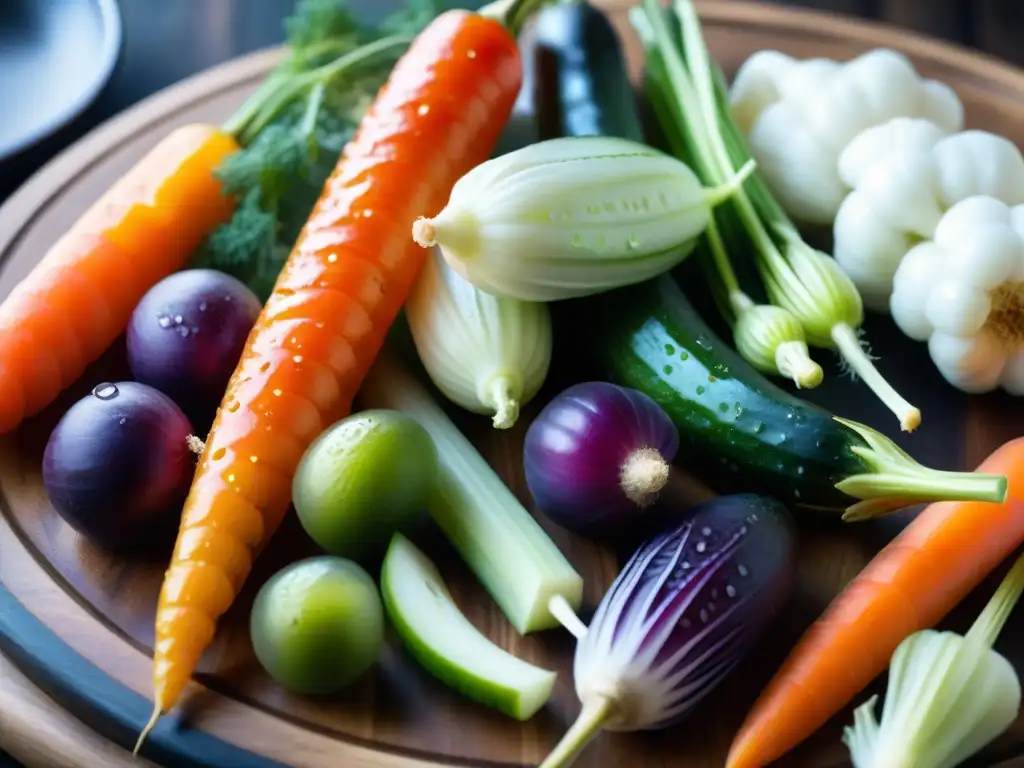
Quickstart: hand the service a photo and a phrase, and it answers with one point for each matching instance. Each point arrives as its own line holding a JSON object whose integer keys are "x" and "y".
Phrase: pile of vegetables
{"x": 318, "y": 287}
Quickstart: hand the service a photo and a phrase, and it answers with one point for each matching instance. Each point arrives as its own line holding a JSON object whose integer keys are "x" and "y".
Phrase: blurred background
{"x": 161, "y": 42}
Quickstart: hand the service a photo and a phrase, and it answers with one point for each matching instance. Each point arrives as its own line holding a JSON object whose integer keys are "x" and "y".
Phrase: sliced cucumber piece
{"x": 447, "y": 645}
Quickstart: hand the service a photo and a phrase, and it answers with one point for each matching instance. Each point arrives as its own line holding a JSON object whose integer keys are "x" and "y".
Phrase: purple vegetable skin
{"x": 686, "y": 608}
{"x": 596, "y": 455}
{"x": 186, "y": 336}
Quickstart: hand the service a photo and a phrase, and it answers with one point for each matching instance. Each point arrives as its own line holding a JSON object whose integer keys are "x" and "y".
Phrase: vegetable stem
{"x": 644, "y": 474}
{"x": 594, "y": 714}
{"x": 512, "y": 13}
{"x": 794, "y": 362}
{"x": 850, "y": 348}
{"x": 266, "y": 104}
{"x": 990, "y": 622}
{"x": 729, "y": 189}
{"x": 567, "y": 617}
{"x": 504, "y": 400}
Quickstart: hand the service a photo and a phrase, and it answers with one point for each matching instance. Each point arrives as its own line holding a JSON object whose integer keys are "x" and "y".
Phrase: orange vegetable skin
{"x": 440, "y": 113}
{"x": 944, "y": 553}
{"x": 79, "y": 297}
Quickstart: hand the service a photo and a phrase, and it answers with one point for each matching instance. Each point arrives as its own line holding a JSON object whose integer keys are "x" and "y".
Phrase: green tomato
{"x": 362, "y": 480}
{"x": 318, "y": 625}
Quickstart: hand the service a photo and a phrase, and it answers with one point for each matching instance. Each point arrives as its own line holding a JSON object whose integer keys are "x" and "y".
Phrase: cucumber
{"x": 580, "y": 84}
{"x": 740, "y": 432}
{"x": 443, "y": 641}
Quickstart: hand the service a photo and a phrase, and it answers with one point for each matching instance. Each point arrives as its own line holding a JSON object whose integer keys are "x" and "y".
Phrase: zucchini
{"x": 580, "y": 85}
{"x": 739, "y": 431}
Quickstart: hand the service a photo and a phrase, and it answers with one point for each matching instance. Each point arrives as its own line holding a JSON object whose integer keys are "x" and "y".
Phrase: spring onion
{"x": 486, "y": 353}
{"x": 949, "y": 695}
{"x": 805, "y": 282}
{"x": 507, "y": 550}
{"x": 573, "y": 216}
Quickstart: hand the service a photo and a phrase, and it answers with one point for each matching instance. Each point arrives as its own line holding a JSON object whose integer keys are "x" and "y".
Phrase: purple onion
{"x": 686, "y": 608}
{"x": 118, "y": 465}
{"x": 186, "y": 336}
{"x": 597, "y": 453}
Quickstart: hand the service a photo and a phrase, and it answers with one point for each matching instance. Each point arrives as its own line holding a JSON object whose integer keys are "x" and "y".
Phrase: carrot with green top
{"x": 910, "y": 585}
{"x": 440, "y": 114}
{"x": 79, "y": 298}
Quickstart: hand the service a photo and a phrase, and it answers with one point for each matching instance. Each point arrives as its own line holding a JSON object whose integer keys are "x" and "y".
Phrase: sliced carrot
{"x": 917, "y": 579}
{"x": 79, "y": 297}
{"x": 440, "y": 114}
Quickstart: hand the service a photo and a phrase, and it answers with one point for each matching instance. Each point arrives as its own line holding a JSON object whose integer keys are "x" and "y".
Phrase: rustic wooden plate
{"x": 78, "y": 623}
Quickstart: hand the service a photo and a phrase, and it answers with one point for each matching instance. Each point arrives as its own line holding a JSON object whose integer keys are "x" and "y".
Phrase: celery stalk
{"x": 507, "y": 550}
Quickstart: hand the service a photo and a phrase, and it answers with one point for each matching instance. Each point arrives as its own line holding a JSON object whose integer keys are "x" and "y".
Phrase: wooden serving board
{"x": 77, "y": 623}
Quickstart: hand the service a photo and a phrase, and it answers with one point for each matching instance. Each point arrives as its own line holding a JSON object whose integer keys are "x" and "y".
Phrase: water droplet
{"x": 667, "y": 370}
{"x": 228, "y": 298}
{"x": 183, "y": 331}
{"x": 743, "y": 530}
{"x": 600, "y": 241}
{"x": 704, "y": 615}
{"x": 367, "y": 213}
{"x": 684, "y": 355}
{"x": 801, "y": 469}
{"x": 700, "y": 389}
{"x": 202, "y": 306}
{"x": 194, "y": 330}
{"x": 123, "y": 420}
{"x": 319, "y": 325}
{"x": 685, "y": 565}
{"x": 423, "y": 109}
{"x": 633, "y": 242}
{"x": 254, "y": 459}
{"x": 297, "y": 359}
{"x": 163, "y": 321}
{"x": 796, "y": 493}
{"x": 230, "y": 478}
{"x": 723, "y": 407}
{"x": 470, "y": 54}
{"x": 178, "y": 319}
{"x": 278, "y": 393}
{"x": 791, "y": 415}
{"x": 714, "y": 593}
{"x": 704, "y": 343}
{"x": 105, "y": 391}
{"x": 577, "y": 240}
{"x": 705, "y": 531}
{"x": 712, "y": 379}
{"x": 331, "y": 258}
{"x": 594, "y": 209}
{"x": 742, "y": 570}
{"x": 701, "y": 546}
{"x": 758, "y": 428}
{"x": 265, "y": 367}
{"x": 730, "y": 590}
{"x": 684, "y": 623}
{"x": 669, "y": 349}
{"x": 711, "y": 606}
{"x": 219, "y": 454}
{"x": 233, "y": 406}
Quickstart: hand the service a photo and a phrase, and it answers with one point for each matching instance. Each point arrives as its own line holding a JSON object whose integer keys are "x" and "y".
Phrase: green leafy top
{"x": 294, "y": 127}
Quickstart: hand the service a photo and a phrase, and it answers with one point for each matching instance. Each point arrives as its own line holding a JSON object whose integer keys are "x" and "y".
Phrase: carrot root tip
{"x": 145, "y": 731}
{"x": 424, "y": 233}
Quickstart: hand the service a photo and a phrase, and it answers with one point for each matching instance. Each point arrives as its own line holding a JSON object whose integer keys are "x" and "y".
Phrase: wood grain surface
{"x": 102, "y": 606}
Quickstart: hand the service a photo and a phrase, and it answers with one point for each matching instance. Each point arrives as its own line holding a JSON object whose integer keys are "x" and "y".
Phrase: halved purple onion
{"x": 686, "y": 608}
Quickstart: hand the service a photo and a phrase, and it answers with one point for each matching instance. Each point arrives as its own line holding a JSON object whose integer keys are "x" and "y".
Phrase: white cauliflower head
{"x": 963, "y": 293}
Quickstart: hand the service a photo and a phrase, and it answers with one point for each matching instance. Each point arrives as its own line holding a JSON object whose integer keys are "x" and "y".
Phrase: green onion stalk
{"x": 688, "y": 95}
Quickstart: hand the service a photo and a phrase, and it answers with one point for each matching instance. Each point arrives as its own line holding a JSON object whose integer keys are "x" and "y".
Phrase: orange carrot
{"x": 440, "y": 114}
{"x": 79, "y": 297}
{"x": 910, "y": 585}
